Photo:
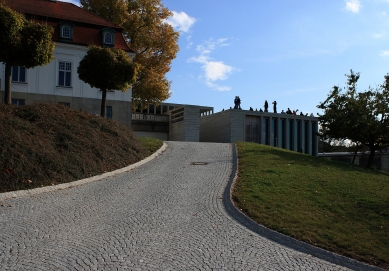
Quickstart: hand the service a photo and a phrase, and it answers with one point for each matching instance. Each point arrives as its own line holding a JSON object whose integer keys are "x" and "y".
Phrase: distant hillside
{"x": 48, "y": 144}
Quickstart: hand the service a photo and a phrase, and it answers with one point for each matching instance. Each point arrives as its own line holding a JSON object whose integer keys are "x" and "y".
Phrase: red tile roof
{"x": 87, "y": 26}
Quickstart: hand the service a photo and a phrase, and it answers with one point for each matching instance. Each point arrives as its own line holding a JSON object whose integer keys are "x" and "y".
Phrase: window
{"x": 108, "y": 39}
{"x": 64, "y": 74}
{"x": 108, "y": 112}
{"x": 66, "y": 32}
{"x": 18, "y": 74}
{"x": 18, "y": 102}
{"x": 64, "y": 104}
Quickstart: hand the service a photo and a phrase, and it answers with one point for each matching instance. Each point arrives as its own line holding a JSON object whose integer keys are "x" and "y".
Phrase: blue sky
{"x": 292, "y": 52}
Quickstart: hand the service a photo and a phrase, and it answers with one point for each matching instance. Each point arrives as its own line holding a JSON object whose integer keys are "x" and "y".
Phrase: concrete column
{"x": 384, "y": 162}
{"x": 271, "y": 134}
{"x": 314, "y": 138}
{"x": 309, "y": 151}
{"x": 294, "y": 134}
{"x": 262, "y": 133}
{"x": 278, "y": 132}
{"x": 302, "y": 136}
{"x": 285, "y": 131}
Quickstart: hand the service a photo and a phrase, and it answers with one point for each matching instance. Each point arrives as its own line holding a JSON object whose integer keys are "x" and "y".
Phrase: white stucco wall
{"x": 43, "y": 79}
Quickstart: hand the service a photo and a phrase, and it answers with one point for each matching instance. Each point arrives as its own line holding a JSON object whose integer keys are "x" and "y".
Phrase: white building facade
{"x": 58, "y": 82}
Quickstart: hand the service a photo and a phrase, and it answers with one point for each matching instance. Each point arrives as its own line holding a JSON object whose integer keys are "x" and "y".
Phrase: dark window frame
{"x": 108, "y": 112}
{"x": 20, "y": 76}
{"x": 18, "y": 102}
{"x": 62, "y": 27}
{"x": 105, "y": 32}
{"x": 65, "y": 74}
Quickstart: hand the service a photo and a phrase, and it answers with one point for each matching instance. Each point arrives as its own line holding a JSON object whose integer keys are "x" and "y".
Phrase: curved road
{"x": 167, "y": 214}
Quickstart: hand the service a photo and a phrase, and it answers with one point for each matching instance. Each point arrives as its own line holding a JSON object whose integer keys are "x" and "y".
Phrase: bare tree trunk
{"x": 103, "y": 102}
{"x": 7, "y": 92}
{"x": 370, "y": 161}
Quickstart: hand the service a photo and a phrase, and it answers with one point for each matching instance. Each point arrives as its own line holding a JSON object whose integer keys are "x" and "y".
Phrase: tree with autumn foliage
{"x": 107, "y": 69}
{"x": 149, "y": 35}
{"x": 362, "y": 117}
{"x": 22, "y": 43}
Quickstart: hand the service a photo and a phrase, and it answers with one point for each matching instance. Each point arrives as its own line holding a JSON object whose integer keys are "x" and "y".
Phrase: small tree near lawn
{"x": 361, "y": 117}
{"x": 107, "y": 69}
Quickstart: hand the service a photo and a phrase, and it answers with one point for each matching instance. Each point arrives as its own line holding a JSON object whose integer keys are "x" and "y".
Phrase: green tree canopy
{"x": 150, "y": 36}
{"x": 107, "y": 69}
{"x": 22, "y": 43}
{"x": 362, "y": 117}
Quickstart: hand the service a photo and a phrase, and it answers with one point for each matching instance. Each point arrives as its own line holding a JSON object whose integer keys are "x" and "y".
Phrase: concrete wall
{"x": 177, "y": 131}
{"x": 238, "y": 125}
{"x": 216, "y": 127}
{"x": 381, "y": 160}
{"x": 161, "y": 136}
{"x": 226, "y": 126}
{"x": 121, "y": 111}
{"x": 192, "y": 123}
{"x": 187, "y": 127}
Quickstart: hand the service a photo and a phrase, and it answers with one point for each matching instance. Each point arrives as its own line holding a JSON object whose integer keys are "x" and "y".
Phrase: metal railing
{"x": 178, "y": 115}
{"x": 150, "y": 117}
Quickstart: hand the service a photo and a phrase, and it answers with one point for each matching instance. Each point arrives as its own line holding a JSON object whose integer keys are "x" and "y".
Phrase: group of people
{"x": 266, "y": 106}
{"x": 237, "y": 102}
{"x": 294, "y": 112}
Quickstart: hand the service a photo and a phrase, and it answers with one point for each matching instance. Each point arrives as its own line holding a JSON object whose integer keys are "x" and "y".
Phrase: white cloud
{"x": 217, "y": 87}
{"x": 213, "y": 70}
{"x": 76, "y": 2}
{"x": 216, "y": 70}
{"x": 379, "y": 35}
{"x": 190, "y": 42}
{"x": 181, "y": 20}
{"x": 385, "y": 53}
{"x": 353, "y": 5}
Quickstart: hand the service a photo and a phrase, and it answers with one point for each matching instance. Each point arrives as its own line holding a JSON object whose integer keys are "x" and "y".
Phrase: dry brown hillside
{"x": 48, "y": 144}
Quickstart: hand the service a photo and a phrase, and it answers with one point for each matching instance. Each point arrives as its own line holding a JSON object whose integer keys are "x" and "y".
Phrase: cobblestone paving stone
{"x": 165, "y": 215}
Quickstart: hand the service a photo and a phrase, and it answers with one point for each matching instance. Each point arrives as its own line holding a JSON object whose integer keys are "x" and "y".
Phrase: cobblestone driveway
{"x": 165, "y": 215}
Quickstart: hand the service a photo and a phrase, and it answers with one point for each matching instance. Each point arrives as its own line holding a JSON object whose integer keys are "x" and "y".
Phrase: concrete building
{"x": 58, "y": 82}
{"x": 179, "y": 122}
{"x": 292, "y": 132}
{"x": 168, "y": 121}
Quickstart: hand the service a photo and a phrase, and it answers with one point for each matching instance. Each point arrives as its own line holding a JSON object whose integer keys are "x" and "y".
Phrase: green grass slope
{"x": 333, "y": 205}
{"x": 48, "y": 144}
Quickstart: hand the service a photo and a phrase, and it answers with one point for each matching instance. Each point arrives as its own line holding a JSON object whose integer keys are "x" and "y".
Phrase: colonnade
{"x": 296, "y": 133}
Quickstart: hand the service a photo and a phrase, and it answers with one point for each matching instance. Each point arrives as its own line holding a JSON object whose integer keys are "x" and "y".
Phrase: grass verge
{"x": 332, "y": 205}
{"x": 151, "y": 145}
{"x": 48, "y": 144}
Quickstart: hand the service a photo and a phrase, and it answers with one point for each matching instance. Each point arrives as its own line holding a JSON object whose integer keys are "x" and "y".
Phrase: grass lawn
{"x": 150, "y": 144}
{"x": 329, "y": 204}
